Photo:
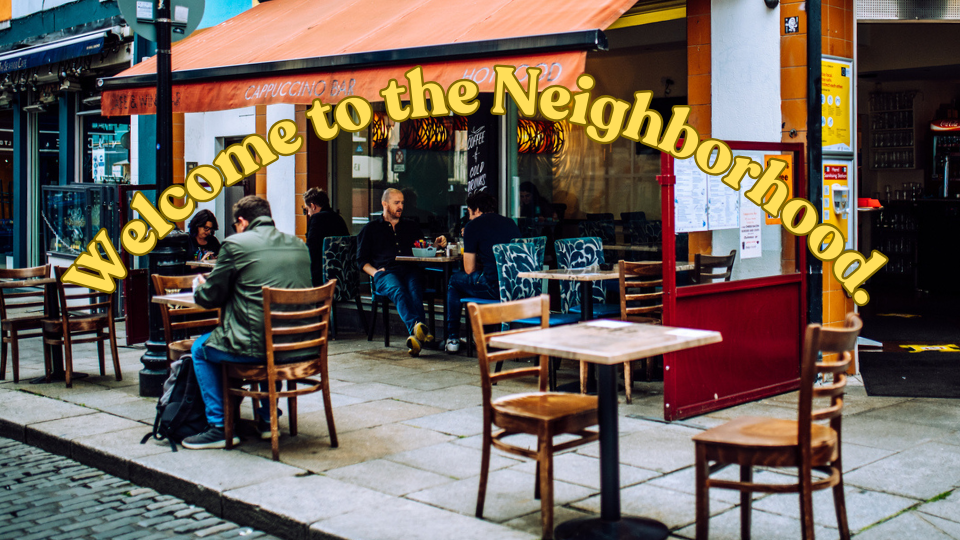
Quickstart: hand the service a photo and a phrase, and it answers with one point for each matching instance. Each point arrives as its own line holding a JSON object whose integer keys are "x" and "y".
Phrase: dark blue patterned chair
{"x": 340, "y": 263}
{"x": 582, "y": 253}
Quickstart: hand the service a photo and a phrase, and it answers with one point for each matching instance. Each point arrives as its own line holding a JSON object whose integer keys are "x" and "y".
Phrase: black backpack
{"x": 180, "y": 410}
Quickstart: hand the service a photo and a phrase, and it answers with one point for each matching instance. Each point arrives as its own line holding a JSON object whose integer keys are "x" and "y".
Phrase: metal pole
{"x": 814, "y": 152}
{"x": 169, "y": 255}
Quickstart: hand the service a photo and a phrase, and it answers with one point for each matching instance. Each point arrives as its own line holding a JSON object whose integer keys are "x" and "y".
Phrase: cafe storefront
{"x": 550, "y": 176}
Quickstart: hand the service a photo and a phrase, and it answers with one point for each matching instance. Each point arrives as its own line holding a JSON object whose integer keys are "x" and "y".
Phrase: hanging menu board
{"x": 689, "y": 197}
{"x": 482, "y": 147}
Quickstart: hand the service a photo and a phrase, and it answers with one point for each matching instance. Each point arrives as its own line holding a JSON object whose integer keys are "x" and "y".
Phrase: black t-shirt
{"x": 319, "y": 226}
{"x": 482, "y": 233}
{"x": 379, "y": 244}
{"x": 196, "y": 251}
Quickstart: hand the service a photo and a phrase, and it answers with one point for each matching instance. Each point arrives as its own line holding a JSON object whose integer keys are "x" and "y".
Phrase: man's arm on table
{"x": 216, "y": 289}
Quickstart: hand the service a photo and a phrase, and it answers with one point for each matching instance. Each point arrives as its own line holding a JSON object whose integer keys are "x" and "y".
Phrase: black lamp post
{"x": 169, "y": 256}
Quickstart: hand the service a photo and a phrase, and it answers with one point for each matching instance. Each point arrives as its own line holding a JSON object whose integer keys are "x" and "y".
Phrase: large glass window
{"x": 6, "y": 185}
{"x": 106, "y": 150}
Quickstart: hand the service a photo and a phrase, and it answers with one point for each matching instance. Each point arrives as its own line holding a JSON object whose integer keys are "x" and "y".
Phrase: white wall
{"x": 203, "y": 133}
{"x": 281, "y": 177}
{"x": 745, "y": 70}
{"x": 22, "y": 8}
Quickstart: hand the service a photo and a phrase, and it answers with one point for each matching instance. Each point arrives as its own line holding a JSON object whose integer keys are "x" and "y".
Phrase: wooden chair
{"x": 768, "y": 442}
{"x": 645, "y": 279}
{"x": 542, "y": 414}
{"x": 82, "y": 311}
{"x": 179, "y": 324}
{"x": 704, "y": 265}
{"x": 296, "y": 324}
{"x": 11, "y": 326}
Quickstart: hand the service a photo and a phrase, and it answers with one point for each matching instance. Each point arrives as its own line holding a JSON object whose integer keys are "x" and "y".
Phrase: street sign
{"x": 185, "y": 16}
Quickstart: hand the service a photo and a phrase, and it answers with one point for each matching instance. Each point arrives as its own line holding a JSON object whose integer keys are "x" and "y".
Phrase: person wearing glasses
{"x": 321, "y": 223}
{"x": 203, "y": 244}
{"x": 257, "y": 256}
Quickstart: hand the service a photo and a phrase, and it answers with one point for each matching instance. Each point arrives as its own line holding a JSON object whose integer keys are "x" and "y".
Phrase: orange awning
{"x": 292, "y": 51}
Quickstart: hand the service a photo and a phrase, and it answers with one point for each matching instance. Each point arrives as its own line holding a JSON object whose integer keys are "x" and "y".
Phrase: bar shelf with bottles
{"x": 946, "y": 157}
{"x": 898, "y": 228}
{"x": 892, "y": 137}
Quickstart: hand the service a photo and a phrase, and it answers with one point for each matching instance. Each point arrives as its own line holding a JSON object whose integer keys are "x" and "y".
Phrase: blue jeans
{"x": 206, "y": 364}
{"x": 463, "y": 285}
{"x": 404, "y": 287}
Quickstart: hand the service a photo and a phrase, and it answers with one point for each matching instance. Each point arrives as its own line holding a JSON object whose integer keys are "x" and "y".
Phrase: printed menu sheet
{"x": 723, "y": 205}
{"x": 689, "y": 197}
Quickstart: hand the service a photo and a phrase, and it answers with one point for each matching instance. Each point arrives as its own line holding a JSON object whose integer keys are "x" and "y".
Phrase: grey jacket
{"x": 259, "y": 256}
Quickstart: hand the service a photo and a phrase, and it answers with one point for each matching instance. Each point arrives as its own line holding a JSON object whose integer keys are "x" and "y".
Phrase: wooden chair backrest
{"x": 646, "y": 279}
{"x": 297, "y": 320}
{"x": 178, "y": 321}
{"x": 840, "y": 341}
{"x": 77, "y": 301}
{"x": 704, "y": 266}
{"x": 505, "y": 312}
{"x": 32, "y": 297}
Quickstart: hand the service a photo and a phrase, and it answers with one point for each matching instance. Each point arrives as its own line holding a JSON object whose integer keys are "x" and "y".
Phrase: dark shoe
{"x": 263, "y": 429}
{"x": 422, "y": 333}
{"x": 213, "y": 437}
{"x": 413, "y": 346}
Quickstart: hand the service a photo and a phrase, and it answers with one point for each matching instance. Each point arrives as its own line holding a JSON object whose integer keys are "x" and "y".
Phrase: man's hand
{"x": 441, "y": 241}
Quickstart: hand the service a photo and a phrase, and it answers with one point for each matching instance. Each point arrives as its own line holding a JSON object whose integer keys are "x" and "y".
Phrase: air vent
{"x": 908, "y": 10}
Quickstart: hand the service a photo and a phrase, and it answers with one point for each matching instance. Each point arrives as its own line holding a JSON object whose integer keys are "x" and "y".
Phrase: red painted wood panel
{"x": 760, "y": 353}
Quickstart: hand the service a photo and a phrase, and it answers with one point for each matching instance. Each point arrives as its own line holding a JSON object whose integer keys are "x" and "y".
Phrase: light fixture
{"x": 771, "y": 3}
{"x": 539, "y": 137}
{"x": 35, "y": 108}
{"x": 69, "y": 83}
{"x": 425, "y": 134}
{"x": 379, "y": 131}
{"x": 93, "y": 101}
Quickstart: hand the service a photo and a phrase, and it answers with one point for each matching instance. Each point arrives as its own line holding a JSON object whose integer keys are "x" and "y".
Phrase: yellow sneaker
{"x": 413, "y": 344}
{"x": 422, "y": 333}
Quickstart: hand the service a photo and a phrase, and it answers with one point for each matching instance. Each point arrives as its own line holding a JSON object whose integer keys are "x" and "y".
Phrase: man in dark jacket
{"x": 378, "y": 245}
{"x": 321, "y": 223}
{"x": 258, "y": 256}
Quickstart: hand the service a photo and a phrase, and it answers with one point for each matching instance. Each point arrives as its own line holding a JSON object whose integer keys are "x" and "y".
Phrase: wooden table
{"x": 202, "y": 264}
{"x": 176, "y": 299}
{"x": 446, "y": 262}
{"x": 51, "y": 311}
{"x": 607, "y": 344}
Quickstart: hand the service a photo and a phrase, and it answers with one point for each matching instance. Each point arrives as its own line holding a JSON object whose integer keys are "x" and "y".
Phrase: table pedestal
{"x": 610, "y": 524}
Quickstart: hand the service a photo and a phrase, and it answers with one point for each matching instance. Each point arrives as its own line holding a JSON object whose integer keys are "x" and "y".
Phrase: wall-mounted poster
{"x": 689, "y": 197}
{"x": 836, "y": 105}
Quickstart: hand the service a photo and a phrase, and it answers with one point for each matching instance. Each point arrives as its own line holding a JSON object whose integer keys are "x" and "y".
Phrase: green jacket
{"x": 259, "y": 256}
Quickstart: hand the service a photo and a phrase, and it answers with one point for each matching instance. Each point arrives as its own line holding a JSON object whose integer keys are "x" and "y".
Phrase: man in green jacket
{"x": 259, "y": 255}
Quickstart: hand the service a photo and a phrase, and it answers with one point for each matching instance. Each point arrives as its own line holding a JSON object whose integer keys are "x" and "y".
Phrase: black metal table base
{"x": 595, "y": 528}
{"x": 59, "y": 377}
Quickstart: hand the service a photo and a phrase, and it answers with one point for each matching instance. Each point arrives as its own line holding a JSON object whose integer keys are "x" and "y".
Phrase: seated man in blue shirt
{"x": 378, "y": 245}
{"x": 478, "y": 279}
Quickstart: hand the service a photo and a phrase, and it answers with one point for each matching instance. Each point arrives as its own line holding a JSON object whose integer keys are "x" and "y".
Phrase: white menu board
{"x": 723, "y": 205}
{"x": 689, "y": 197}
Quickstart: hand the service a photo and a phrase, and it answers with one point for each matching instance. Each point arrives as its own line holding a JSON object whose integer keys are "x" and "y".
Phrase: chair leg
{"x": 113, "y": 351}
{"x": 432, "y": 314}
{"x": 47, "y": 359}
{"x": 806, "y": 502}
{"x": 373, "y": 321}
{"x": 328, "y": 408}
{"x": 583, "y": 377}
{"x": 554, "y": 365}
{"x": 228, "y": 409}
{"x": 628, "y": 381}
{"x": 68, "y": 360}
{"x": 386, "y": 322}
{"x": 362, "y": 313}
{"x": 292, "y": 406}
{"x": 746, "y": 500}
{"x": 484, "y": 466}
{"x": 333, "y": 319}
{"x": 14, "y": 356}
{"x": 545, "y": 466}
{"x": 101, "y": 354}
{"x": 3, "y": 358}
{"x": 702, "y": 493}
{"x": 274, "y": 421}
{"x": 840, "y": 504}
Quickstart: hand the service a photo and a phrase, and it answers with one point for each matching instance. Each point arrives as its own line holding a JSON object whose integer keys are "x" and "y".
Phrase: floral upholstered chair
{"x": 583, "y": 253}
{"x": 340, "y": 263}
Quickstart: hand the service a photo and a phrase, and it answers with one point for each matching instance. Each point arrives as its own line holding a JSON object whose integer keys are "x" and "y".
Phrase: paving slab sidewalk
{"x": 408, "y": 462}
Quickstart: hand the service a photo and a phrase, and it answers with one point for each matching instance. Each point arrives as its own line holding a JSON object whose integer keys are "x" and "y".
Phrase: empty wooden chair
{"x": 704, "y": 266}
{"x": 541, "y": 414}
{"x": 802, "y": 444}
{"x": 296, "y": 324}
{"x": 641, "y": 300}
{"x": 181, "y": 324}
{"x": 20, "y": 312}
{"x": 83, "y": 311}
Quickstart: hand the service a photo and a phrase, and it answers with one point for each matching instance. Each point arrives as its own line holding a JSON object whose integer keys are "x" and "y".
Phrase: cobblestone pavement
{"x": 43, "y": 495}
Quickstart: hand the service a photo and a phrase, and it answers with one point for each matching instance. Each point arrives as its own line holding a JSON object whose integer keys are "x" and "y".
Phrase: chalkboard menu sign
{"x": 482, "y": 169}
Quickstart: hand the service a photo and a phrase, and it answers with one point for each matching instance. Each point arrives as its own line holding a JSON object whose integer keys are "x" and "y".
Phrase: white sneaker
{"x": 453, "y": 346}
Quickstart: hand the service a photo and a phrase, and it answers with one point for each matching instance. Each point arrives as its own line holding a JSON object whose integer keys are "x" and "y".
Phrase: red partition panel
{"x": 760, "y": 353}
